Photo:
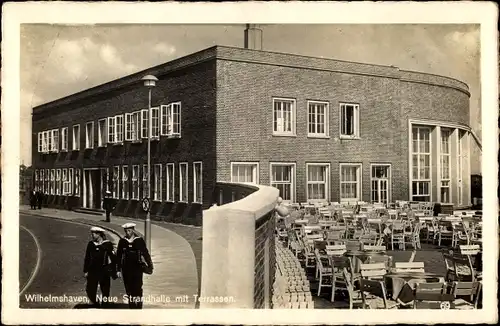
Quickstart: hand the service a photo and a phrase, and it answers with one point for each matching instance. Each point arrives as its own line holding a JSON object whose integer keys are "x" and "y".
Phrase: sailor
{"x": 133, "y": 260}
{"x": 99, "y": 265}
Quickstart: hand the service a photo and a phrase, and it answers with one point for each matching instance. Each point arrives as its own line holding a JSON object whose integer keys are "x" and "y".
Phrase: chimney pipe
{"x": 253, "y": 37}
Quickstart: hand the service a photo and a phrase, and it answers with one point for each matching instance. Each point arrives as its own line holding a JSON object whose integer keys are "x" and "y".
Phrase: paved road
{"x": 51, "y": 263}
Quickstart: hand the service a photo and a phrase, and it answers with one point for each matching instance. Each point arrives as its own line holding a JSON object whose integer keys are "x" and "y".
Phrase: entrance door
{"x": 380, "y": 176}
{"x": 96, "y": 188}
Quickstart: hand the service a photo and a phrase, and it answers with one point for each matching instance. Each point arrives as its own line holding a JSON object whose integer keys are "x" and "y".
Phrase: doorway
{"x": 92, "y": 195}
{"x": 381, "y": 183}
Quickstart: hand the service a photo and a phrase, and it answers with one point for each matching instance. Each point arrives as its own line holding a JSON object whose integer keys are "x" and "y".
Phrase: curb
{"x": 113, "y": 232}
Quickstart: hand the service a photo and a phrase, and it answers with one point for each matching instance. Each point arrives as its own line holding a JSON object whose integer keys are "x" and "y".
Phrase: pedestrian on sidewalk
{"x": 39, "y": 198}
{"x": 108, "y": 204}
{"x": 133, "y": 260}
{"x": 33, "y": 199}
{"x": 99, "y": 266}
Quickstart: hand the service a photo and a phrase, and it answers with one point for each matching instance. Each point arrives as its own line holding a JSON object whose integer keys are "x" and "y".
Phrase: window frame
{"x": 359, "y": 183}
{"x": 293, "y": 132}
{"x": 135, "y": 179}
{"x": 116, "y": 181}
{"x": 157, "y": 193}
{"x": 293, "y": 190}
{"x": 155, "y": 130}
{"x": 357, "y": 133}
{"x": 327, "y": 181}
{"x": 124, "y": 182}
{"x": 76, "y": 140}
{"x": 102, "y": 135}
{"x": 181, "y": 181}
{"x": 170, "y": 178}
{"x": 418, "y": 180}
{"x": 251, "y": 163}
{"x": 89, "y": 136}
{"x": 389, "y": 186}
{"x": 442, "y": 155}
{"x": 64, "y": 139}
{"x": 326, "y": 121}
{"x": 54, "y": 134}
{"x": 195, "y": 183}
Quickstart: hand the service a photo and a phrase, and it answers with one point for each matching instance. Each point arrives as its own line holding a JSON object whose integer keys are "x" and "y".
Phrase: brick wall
{"x": 194, "y": 86}
{"x": 264, "y": 259}
{"x": 248, "y": 80}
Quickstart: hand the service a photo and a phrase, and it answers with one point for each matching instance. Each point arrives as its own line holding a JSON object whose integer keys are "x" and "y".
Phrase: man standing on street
{"x": 33, "y": 198}
{"x": 108, "y": 205}
{"x": 39, "y": 198}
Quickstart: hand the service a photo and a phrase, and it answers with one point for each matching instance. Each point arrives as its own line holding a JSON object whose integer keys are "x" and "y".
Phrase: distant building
{"x": 315, "y": 128}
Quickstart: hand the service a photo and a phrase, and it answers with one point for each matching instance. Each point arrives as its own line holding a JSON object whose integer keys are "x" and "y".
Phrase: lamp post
{"x": 149, "y": 82}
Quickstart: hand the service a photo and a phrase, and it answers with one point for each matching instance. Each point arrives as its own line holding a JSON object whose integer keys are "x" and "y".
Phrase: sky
{"x": 59, "y": 60}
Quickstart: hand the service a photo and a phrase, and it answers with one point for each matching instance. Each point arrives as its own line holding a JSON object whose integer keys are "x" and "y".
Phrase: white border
{"x": 483, "y": 13}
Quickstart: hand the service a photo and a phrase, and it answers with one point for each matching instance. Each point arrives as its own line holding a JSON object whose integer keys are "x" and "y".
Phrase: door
{"x": 96, "y": 189}
{"x": 380, "y": 176}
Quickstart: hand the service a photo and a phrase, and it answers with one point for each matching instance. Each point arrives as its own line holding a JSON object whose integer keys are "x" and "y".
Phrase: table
{"x": 402, "y": 285}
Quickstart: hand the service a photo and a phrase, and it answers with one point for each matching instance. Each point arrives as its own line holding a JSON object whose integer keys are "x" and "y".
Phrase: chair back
{"x": 373, "y": 270}
{"x": 414, "y": 267}
{"x": 374, "y": 248}
{"x": 469, "y": 250}
{"x": 336, "y": 250}
{"x": 429, "y": 291}
{"x": 465, "y": 288}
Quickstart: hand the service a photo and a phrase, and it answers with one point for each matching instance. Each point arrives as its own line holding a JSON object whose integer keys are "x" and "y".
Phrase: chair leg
{"x": 334, "y": 279}
{"x": 320, "y": 281}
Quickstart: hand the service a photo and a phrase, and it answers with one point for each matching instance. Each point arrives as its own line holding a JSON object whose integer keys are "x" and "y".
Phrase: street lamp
{"x": 149, "y": 82}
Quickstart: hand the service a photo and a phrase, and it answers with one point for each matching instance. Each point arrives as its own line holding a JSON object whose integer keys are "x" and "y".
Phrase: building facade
{"x": 316, "y": 129}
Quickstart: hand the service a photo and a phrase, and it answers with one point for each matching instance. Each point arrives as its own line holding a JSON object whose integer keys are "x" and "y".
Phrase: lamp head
{"x": 149, "y": 80}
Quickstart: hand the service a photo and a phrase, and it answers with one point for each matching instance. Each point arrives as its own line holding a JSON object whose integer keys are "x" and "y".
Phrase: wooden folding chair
{"x": 324, "y": 270}
{"x": 372, "y": 283}
{"x": 432, "y": 296}
{"x": 466, "y": 289}
{"x": 414, "y": 267}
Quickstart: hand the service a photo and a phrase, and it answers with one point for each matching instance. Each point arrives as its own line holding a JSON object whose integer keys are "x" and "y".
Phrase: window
{"x": 350, "y": 182}
{"x": 317, "y": 119}
{"x": 170, "y": 182}
{"x": 42, "y": 180}
{"x": 119, "y": 129}
{"x": 70, "y": 181}
{"x": 104, "y": 180}
{"x": 125, "y": 188}
{"x": 45, "y": 145}
{"x": 101, "y": 133}
{"x": 64, "y": 139}
{"x": 460, "y": 165}
{"x": 157, "y": 184}
{"x": 381, "y": 183}
{"x": 40, "y": 143}
{"x": 65, "y": 181}
{"x": 47, "y": 181}
{"x": 37, "y": 179}
{"x": 183, "y": 182}
{"x": 49, "y": 141}
{"x": 111, "y": 130}
{"x": 155, "y": 121}
{"x": 76, "y": 137}
{"x": 58, "y": 182}
{"x": 145, "y": 189}
{"x": 349, "y": 120}
{"x": 283, "y": 178}
{"x": 77, "y": 183}
{"x": 197, "y": 182}
{"x": 245, "y": 172}
{"x": 52, "y": 181}
{"x": 144, "y": 123}
{"x": 284, "y": 117}
{"x": 135, "y": 182}
{"x": 445, "y": 165}
{"x": 116, "y": 182}
{"x": 55, "y": 140}
{"x": 421, "y": 158}
{"x": 132, "y": 126}
{"x": 170, "y": 119}
{"x": 89, "y": 135}
{"x": 318, "y": 176}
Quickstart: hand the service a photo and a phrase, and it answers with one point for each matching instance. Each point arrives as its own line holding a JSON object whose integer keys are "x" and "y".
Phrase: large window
{"x": 101, "y": 133}
{"x": 170, "y": 182}
{"x": 132, "y": 126}
{"x": 76, "y": 137}
{"x": 170, "y": 119}
{"x": 116, "y": 182}
{"x": 70, "y": 181}
{"x": 283, "y": 178}
{"x": 317, "y": 119}
{"x": 318, "y": 181}
{"x": 460, "y": 165}
{"x": 183, "y": 182}
{"x": 58, "y": 182}
{"x": 115, "y": 129}
{"x": 89, "y": 135}
{"x": 64, "y": 139}
{"x": 197, "y": 182}
{"x": 284, "y": 117}
{"x": 145, "y": 189}
{"x": 40, "y": 142}
{"x": 349, "y": 120}
{"x": 65, "y": 181}
{"x": 445, "y": 165}
{"x": 135, "y": 182}
{"x": 144, "y": 123}
{"x": 125, "y": 187}
{"x": 421, "y": 160}
{"x": 47, "y": 182}
{"x": 157, "y": 182}
{"x": 77, "y": 182}
{"x": 381, "y": 183}
{"x": 350, "y": 182}
{"x": 155, "y": 122}
{"x": 245, "y": 172}
{"x": 111, "y": 130}
{"x": 52, "y": 181}
{"x": 54, "y": 140}
{"x": 37, "y": 179}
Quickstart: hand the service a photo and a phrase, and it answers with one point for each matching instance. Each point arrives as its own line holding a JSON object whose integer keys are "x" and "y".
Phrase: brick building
{"x": 315, "y": 128}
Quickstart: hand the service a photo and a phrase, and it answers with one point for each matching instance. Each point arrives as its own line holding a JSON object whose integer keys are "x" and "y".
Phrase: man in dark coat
{"x": 99, "y": 266}
{"x": 133, "y": 259}
{"x": 33, "y": 196}
{"x": 108, "y": 204}
{"x": 39, "y": 198}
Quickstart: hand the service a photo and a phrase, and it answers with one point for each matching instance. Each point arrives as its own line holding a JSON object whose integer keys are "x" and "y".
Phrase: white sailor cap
{"x": 96, "y": 229}
{"x": 128, "y": 225}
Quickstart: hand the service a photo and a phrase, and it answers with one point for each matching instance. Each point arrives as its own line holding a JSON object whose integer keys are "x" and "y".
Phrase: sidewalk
{"x": 175, "y": 269}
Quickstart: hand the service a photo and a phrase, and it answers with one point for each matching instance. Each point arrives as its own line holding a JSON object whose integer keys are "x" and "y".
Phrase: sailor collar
{"x": 131, "y": 240}
{"x": 98, "y": 244}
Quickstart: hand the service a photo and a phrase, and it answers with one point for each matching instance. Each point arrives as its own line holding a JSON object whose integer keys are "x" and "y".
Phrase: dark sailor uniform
{"x": 100, "y": 264}
{"x": 132, "y": 254}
